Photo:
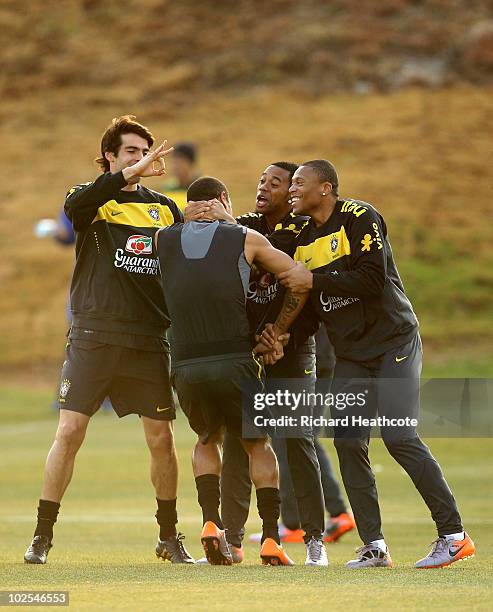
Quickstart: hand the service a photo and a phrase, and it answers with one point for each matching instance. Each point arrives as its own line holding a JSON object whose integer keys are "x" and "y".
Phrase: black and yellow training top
{"x": 357, "y": 291}
{"x": 265, "y": 294}
{"x": 116, "y": 294}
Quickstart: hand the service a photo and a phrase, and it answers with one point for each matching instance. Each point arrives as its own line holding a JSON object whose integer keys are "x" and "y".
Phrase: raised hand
{"x": 152, "y": 164}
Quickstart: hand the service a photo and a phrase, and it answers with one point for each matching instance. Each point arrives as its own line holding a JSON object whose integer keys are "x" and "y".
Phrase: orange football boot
{"x": 338, "y": 526}
{"x": 237, "y": 554}
{"x": 272, "y": 553}
{"x": 292, "y": 536}
{"x": 215, "y": 545}
{"x": 445, "y": 552}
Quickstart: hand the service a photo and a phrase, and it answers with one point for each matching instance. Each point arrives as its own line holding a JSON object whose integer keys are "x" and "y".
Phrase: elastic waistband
{"x": 123, "y": 327}
{"x": 363, "y": 353}
{"x": 210, "y": 349}
{"x": 229, "y": 357}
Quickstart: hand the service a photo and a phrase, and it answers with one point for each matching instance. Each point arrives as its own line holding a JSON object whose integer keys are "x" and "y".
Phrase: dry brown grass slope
{"x": 421, "y": 157}
{"x": 322, "y": 45}
{"x": 252, "y": 82}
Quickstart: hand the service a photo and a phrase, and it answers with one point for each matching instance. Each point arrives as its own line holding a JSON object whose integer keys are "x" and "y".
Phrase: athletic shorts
{"x": 136, "y": 381}
{"x": 214, "y": 390}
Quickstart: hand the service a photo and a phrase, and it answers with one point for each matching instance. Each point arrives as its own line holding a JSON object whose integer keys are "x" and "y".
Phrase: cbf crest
{"x": 334, "y": 243}
{"x": 64, "y": 388}
{"x": 153, "y": 212}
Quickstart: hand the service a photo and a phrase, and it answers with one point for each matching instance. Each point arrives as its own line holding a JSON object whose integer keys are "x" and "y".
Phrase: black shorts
{"x": 136, "y": 381}
{"x": 212, "y": 391}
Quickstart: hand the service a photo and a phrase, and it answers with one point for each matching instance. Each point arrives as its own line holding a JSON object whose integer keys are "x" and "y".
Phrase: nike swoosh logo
{"x": 308, "y": 371}
{"x": 162, "y": 409}
{"x": 452, "y": 553}
{"x": 398, "y": 359}
{"x": 113, "y": 214}
{"x": 307, "y": 260}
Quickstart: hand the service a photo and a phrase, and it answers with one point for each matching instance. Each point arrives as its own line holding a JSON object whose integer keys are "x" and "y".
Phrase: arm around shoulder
{"x": 260, "y": 251}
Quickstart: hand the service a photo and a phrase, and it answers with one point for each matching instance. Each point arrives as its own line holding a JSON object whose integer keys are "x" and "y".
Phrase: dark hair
{"x": 206, "y": 188}
{"x": 186, "y": 149}
{"x": 112, "y": 137}
{"x": 326, "y": 173}
{"x": 288, "y": 166}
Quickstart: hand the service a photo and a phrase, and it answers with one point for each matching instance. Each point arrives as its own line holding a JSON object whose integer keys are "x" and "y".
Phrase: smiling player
{"x": 117, "y": 345}
{"x": 345, "y": 259}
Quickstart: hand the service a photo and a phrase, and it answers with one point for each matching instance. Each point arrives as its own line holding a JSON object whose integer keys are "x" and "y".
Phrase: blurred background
{"x": 396, "y": 93}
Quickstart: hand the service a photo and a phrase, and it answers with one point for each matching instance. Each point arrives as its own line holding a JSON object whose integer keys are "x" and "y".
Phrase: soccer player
{"x": 345, "y": 259}
{"x": 302, "y": 499}
{"x": 205, "y": 267}
{"x": 116, "y": 344}
{"x": 274, "y": 217}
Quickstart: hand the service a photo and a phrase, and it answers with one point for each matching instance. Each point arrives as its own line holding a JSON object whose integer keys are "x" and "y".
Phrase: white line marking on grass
{"x": 119, "y": 518}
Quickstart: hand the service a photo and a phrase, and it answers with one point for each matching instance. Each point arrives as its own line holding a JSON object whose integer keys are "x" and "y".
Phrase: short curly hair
{"x": 206, "y": 188}
{"x": 111, "y": 140}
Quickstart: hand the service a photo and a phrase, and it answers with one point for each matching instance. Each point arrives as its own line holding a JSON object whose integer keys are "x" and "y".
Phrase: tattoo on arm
{"x": 291, "y": 307}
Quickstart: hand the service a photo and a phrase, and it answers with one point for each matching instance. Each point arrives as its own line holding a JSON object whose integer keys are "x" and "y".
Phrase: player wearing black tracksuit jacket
{"x": 346, "y": 260}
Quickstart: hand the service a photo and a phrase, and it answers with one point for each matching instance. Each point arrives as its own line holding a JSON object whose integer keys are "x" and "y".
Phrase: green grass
{"x": 104, "y": 539}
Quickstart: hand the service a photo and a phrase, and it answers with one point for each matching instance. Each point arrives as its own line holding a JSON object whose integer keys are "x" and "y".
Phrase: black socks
{"x": 47, "y": 515}
{"x": 166, "y": 517}
{"x": 268, "y": 503}
{"x": 208, "y": 495}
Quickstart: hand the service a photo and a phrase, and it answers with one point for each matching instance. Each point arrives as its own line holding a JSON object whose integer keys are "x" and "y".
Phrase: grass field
{"x": 104, "y": 539}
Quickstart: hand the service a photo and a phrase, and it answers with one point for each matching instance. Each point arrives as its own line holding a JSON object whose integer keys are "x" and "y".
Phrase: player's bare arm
{"x": 259, "y": 250}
